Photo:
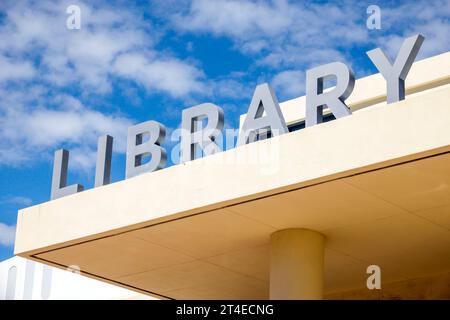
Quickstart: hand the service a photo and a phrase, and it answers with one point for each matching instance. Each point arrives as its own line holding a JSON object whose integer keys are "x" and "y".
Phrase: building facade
{"x": 356, "y": 207}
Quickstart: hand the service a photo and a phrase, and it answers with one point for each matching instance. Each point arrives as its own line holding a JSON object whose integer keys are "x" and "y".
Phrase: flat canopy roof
{"x": 376, "y": 184}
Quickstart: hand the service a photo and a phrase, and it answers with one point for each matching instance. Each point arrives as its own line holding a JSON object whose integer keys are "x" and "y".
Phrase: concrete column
{"x": 296, "y": 264}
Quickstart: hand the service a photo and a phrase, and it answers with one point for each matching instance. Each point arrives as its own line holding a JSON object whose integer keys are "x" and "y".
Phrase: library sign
{"x": 264, "y": 113}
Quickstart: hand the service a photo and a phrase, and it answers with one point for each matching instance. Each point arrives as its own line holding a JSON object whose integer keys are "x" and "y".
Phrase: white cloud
{"x": 289, "y": 84}
{"x": 7, "y": 235}
{"x": 429, "y": 18}
{"x": 235, "y": 18}
{"x": 31, "y": 130}
{"x": 231, "y": 87}
{"x": 17, "y": 200}
{"x": 44, "y": 127}
{"x": 37, "y": 31}
{"x": 15, "y": 70}
{"x": 279, "y": 33}
{"x": 170, "y": 75}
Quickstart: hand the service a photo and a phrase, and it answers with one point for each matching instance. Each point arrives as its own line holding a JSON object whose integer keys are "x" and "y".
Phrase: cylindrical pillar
{"x": 296, "y": 264}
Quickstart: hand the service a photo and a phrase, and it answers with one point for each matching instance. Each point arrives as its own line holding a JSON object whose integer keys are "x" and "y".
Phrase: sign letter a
{"x": 264, "y": 113}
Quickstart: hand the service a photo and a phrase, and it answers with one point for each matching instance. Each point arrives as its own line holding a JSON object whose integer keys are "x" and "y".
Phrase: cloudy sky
{"x": 132, "y": 62}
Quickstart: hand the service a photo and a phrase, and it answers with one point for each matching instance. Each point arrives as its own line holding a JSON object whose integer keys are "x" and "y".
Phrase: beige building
{"x": 299, "y": 216}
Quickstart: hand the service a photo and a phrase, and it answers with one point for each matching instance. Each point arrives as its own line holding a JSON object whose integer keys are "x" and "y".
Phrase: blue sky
{"x": 133, "y": 62}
